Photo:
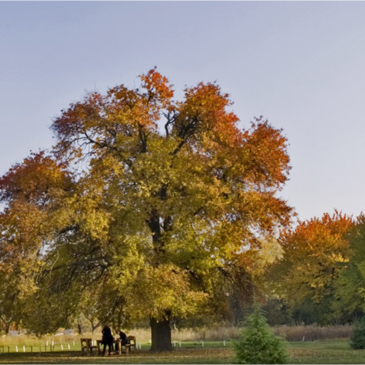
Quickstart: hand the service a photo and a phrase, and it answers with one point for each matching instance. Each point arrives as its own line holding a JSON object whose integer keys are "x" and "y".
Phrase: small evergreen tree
{"x": 358, "y": 335}
{"x": 258, "y": 344}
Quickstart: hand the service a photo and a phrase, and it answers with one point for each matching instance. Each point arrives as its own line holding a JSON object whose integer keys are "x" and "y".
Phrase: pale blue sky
{"x": 300, "y": 64}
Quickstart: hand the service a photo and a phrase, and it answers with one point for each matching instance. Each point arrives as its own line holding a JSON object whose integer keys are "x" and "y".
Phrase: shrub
{"x": 258, "y": 344}
{"x": 358, "y": 335}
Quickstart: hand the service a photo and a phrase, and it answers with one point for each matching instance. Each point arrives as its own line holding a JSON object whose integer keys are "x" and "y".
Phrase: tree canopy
{"x": 316, "y": 251}
{"x": 147, "y": 202}
{"x": 351, "y": 286}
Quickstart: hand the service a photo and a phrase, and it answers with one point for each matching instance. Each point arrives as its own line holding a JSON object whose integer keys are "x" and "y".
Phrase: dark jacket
{"x": 123, "y": 338}
{"x": 107, "y": 335}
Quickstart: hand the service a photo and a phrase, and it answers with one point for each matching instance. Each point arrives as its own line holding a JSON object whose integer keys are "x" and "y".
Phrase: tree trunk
{"x": 95, "y": 326}
{"x": 7, "y": 324}
{"x": 7, "y": 327}
{"x": 161, "y": 335}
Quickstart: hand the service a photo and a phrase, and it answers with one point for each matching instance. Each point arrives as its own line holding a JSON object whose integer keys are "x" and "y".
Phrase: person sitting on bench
{"x": 123, "y": 338}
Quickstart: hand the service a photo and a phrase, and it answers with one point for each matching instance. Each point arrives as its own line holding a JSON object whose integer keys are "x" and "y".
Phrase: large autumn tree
{"x": 169, "y": 199}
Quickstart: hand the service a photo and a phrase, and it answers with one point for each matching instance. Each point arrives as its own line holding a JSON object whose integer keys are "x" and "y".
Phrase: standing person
{"x": 107, "y": 339}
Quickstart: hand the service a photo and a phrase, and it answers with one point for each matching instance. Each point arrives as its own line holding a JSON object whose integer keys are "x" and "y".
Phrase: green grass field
{"x": 213, "y": 352}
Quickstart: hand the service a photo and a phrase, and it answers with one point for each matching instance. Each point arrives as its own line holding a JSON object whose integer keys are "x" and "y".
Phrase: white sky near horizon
{"x": 299, "y": 64}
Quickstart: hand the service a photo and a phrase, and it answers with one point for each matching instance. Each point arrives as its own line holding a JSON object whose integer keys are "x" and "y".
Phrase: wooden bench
{"x": 132, "y": 343}
{"x": 87, "y": 346}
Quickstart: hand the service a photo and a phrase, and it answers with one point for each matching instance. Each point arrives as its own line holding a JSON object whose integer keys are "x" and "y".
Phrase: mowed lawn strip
{"x": 178, "y": 356}
{"x": 316, "y": 352}
{"x": 325, "y": 352}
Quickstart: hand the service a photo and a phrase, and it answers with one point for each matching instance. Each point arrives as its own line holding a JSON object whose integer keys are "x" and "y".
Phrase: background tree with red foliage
{"x": 315, "y": 252}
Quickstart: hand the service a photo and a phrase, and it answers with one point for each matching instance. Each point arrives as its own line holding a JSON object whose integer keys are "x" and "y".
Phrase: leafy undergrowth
{"x": 316, "y": 352}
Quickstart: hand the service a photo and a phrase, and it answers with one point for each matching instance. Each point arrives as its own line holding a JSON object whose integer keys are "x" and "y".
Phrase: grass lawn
{"x": 316, "y": 352}
{"x": 325, "y": 352}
